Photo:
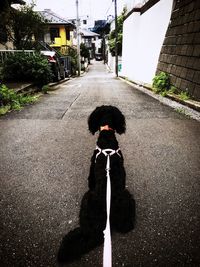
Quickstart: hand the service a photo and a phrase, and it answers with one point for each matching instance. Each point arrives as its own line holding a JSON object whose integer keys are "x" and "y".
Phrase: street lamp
{"x": 78, "y": 39}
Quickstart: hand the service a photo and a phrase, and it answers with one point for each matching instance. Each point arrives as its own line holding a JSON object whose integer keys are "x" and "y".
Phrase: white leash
{"x": 107, "y": 251}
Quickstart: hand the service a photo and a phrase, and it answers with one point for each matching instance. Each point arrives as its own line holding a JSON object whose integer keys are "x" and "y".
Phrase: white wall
{"x": 143, "y": 36}
{"x": 89, "y": 22}
{"x": 111, "y": 62}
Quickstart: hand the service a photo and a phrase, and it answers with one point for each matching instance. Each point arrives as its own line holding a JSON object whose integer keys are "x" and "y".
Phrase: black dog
{"x": 108, "y": 120}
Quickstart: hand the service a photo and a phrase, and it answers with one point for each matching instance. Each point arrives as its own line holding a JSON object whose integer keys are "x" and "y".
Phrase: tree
{"x": 111, "y": 42}
{"x": 5, "y": 18}
{"x": 21, "y": 25}
{"x": 26, "y": 26}
{"x": 72, "y": 52}
{"x": 84, "y": 51}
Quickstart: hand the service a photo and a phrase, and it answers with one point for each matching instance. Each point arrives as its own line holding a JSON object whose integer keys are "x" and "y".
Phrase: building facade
{"x": 60, "y": 33}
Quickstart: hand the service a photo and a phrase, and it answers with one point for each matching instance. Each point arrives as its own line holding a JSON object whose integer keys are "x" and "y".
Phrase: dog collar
{"x": 105, "y": 128}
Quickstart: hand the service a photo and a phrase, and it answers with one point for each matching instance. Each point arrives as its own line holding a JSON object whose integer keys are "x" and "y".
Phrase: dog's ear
{"x": 94, "y": 120}
{"x": 119, "y": 122}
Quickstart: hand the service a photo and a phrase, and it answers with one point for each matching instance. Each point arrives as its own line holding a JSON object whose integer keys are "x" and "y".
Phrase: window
{"x": 54, "y": 32}
{"x": 84, "y": 21}
{"x": 68, "y": 35}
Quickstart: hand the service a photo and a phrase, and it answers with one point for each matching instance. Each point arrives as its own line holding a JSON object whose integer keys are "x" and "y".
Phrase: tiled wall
{"x": 180, "y": 53}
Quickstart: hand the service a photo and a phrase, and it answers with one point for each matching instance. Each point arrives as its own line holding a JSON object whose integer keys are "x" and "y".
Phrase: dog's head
{"x": 107, "y": 115}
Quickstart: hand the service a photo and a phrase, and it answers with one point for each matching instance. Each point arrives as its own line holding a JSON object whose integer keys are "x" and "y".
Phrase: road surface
{"x": 45, "y": 152}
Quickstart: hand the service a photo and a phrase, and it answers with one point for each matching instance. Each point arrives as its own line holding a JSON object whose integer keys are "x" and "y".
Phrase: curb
{"x": 190, "y": 103}
{"x": 26, "y": 87}
{"x": 188, "y": 108}
{"x": 59, "y": 82}
{"x": 33, "y": 87}
{"x": 20, "y": 86}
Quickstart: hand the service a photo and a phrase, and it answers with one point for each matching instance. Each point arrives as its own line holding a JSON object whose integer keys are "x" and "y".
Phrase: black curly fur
{"x": 107, "y": 115}
{"x": 92, "y": 217}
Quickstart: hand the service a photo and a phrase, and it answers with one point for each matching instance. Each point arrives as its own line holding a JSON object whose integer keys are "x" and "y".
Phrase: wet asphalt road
{"x": 45, "y": 152}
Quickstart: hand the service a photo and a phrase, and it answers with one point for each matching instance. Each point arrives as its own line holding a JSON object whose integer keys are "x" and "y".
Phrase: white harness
{"x": 107, "y": 251}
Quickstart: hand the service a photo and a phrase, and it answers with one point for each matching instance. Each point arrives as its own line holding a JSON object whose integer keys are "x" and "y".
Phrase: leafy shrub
{"x": 112, "y": 35}
{"x": 72, "y": 52}
{"x": 9, "y": 99}
{"x": 8, "y": 96}
{"x": 161, "y": 82}
{"x": 45, "y": 89}
{"x": 172, "y": 89}
{"x": 27, "y": 67}
{"x": 184, "y": 96}
{"x": 4, "y": 110}
{"x": 161, "y": 85}
{"x": 84, "y": 51}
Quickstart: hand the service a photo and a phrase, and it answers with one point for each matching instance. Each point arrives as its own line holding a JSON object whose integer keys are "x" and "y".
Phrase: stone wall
{"x": 180, "y": 53}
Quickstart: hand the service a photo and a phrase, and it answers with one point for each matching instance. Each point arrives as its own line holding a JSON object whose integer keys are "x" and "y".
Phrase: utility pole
{"x": 116, "y": 40}
{"x": 78, "y": 39}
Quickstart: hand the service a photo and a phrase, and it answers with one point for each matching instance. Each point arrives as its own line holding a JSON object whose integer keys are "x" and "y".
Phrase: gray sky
{"x": 98, "y": 9}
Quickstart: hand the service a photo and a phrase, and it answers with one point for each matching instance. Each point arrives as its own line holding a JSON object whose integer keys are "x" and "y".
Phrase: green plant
{"x": 72, "y": 52}
{"x": 161, "y": 82}
{"x": 28, "y": 99}
{"x": 172, "y": 89}
{"x": 164, "y": 93}
{"x": 26, "y": 23}
{"x": 4, "y": 109}
{"x": 112, "y": 35}
{"x": 5, "y": 20}
{"x": 84, "y": 51}
{"x": 10, "y": 100}
{"x": 27, "y": 67}
{"x": 20, "y": 25}
{"x": 184, "y": 96}
{"x": 8, "y": 97}
{"x": 182, "y": 111}
{"x": 45, "y": 89}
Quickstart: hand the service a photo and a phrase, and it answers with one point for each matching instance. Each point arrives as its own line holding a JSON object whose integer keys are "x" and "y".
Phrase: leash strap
{"x": 107, "y": 250}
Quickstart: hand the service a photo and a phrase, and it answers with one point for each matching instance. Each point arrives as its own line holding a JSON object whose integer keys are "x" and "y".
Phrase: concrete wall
{"x": 143, "y": 36}
{"x": 180, "y": 54}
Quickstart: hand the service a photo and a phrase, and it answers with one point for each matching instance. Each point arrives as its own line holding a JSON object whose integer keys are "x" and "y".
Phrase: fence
{"x": 5, "y": 53}
{"x": 65, "y": 60}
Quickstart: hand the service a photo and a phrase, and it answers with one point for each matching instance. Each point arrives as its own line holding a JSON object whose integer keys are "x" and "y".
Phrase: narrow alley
{"x": 45, "y": 158}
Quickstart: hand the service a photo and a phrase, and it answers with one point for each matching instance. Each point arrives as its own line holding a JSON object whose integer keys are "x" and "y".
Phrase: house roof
{"x": 53, "y": 18}
{"x": 88, "y": 33}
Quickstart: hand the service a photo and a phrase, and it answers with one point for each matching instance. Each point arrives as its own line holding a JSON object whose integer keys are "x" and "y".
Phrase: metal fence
{"x": 4, "y": 54}
{"x": 64, "y": 60}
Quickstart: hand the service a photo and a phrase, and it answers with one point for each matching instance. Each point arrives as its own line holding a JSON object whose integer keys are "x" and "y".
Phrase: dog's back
{"x": 93, "y": 216}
